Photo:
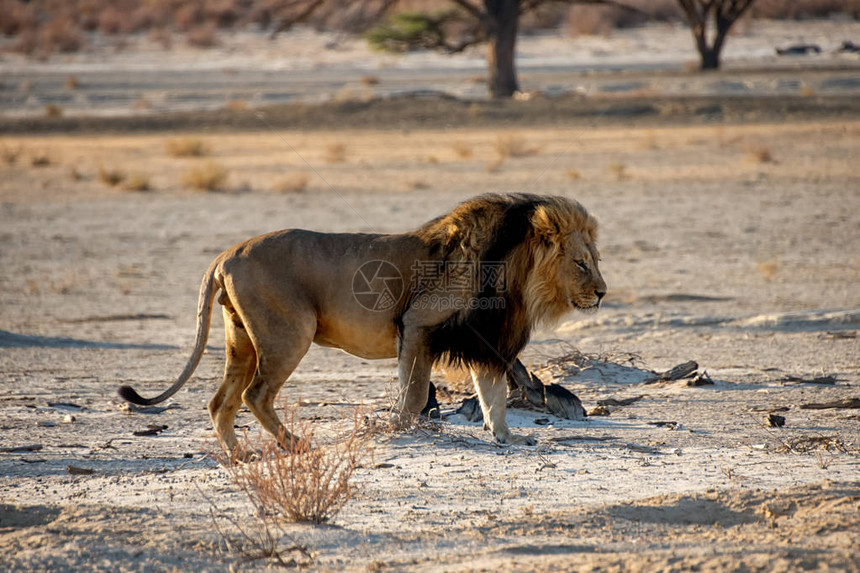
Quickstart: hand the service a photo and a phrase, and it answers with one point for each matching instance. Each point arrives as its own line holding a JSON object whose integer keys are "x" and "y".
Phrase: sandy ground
{"x": 733, "y": 245}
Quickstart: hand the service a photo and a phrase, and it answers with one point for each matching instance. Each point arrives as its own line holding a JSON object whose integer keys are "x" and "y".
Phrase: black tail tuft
{"x": 129, "y": 394}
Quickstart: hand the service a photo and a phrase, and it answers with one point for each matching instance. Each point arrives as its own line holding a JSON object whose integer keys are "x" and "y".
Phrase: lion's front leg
{"x": 414, "y": 365}
{"x": 492, "y": 391}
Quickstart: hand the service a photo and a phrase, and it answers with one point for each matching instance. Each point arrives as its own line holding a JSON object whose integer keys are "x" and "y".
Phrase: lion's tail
{"x": 204, "y": 318}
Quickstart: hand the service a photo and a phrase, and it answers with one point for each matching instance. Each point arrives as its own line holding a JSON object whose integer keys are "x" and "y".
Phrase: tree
{"x": 724, "y": 12}
{"x": 465, "y": 23}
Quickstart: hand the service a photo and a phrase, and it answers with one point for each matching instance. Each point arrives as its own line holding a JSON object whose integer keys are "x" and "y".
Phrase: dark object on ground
{"x": 675, "y": 373}
{"x": 151, "y": 430}
{"x": 850, "y": 47}
{"x": 616, "y": 402}
{"x": 775, "y": 421}
{"x": 25, "y": 448}
{"x": 668, "y": 425}
{"x": 529, "y": 390}
{"x": 431, "y": 409}
{"x": 78, "y": 471}
{"x": 830, "y": 379}
{"x": 799, "y": 50}
{"x": 701, "y": 379}
{"x": 471, "y": 410}
{"x": 558, "y": 400}
{"x": 844, "y": 403}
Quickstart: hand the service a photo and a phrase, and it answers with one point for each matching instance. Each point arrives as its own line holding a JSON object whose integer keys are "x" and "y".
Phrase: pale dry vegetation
{"x": 111, "y": 177}
{"x": 186, "y": 147}
{"x": 308, "y": 482}
{"x": 334, "y": 153}
{"x": 292, "y": 183}
{"x": 208, "y": 176}
{"x": 510, "y": 146}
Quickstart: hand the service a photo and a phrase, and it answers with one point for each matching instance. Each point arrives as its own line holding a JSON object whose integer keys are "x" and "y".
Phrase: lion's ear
{"x": 545, "y": 226}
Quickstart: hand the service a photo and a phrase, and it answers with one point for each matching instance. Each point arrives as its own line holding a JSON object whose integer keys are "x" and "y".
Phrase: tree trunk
{"x": 502, "y": 21}
{"x": 710, "y": 59}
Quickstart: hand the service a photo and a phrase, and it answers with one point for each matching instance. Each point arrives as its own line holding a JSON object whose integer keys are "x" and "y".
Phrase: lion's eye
{"x": 582, "y": 265}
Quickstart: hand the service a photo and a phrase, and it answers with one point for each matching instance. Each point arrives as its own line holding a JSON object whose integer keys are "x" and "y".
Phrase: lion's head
{"x": 562, "y": 245}
{"x": 548, "y": 248}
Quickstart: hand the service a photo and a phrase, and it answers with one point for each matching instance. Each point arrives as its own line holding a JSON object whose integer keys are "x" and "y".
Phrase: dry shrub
{"x": 186, "y": 147}
{"x": 236, "y": 105}
{"x": 75, "y": 174}
{"x": 804, "y": 9}
{"x": 494, "y": 166}
{"x": 112, "y": 21}
{"x": 202, "y": 36}
{"x": 137, "y": 182}
{"x": 293, "y": 183}
{"x": 53, "y": 110}
{"x": 71, "y": 83}
{"x": 111, "y": 177}
{"x": 761, "y": 155}
{"x": 309, "y": 482}
{"x": 618, "y": 170}
{"x": 10, "y": 155}
{"x": 417, "y": 185}
{"x": 209, "y": 176}
{"x": 508, "y": 146}
{"x": 60, "y": 35}
{"x": 40, "y": 159}
{"x": 768, "y": 269}
{"x": 369, "y": 80}
{"x": 334, "y": 153}
{"x": 462, "y": 150}
{"x": 601, "y": 20}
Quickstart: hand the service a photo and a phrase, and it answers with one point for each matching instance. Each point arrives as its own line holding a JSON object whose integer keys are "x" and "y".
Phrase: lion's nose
{"x": 600, "y": 294}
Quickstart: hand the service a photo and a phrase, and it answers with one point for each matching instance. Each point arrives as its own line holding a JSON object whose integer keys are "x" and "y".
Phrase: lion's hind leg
{"x": 279, "y": 351}
{"x": 241, "y": 361}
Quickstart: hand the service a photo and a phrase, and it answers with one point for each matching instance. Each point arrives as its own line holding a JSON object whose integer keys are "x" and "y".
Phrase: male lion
{"x": 467, "y": 287}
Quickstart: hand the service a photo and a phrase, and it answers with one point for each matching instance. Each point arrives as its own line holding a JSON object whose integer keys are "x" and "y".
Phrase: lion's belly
{"x": 367, "y": 340}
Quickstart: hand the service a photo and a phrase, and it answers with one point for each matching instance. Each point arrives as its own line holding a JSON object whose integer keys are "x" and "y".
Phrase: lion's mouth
{"x": 585, "y": 308}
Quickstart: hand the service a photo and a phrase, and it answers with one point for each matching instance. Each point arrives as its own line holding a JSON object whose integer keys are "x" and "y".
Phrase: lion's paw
{"x": 516, "y": 440}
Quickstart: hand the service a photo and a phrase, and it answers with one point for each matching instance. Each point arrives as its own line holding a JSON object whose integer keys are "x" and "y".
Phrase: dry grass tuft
{"x": 768, "y": 269}
{"x": 111, "y": 177}
{"x": 494, "y": 166}
{"x": 186, "y": 147}
{"x": 573, "y": 174}
{"x": 137, "y": 182}
{"x": 369, "y": 80}
{"x": 761, "y": 155}
{"x": 53, "y": 110}
{"x": 293, "y": 183}
{"x": 10, "y": 155}
{"x": 462, "y": 150}
{"x": 202, "y": 36}
{"x": 334, "y": 153}
{"x": 209, "y": 176}
{"x": 75, "y": 174}
{"x": 618, "y": 170}
{"x": 71, "y": 83}
{"x": 40, "y": 159}
{"x": 508, "y": 146}
{"x": 236, "y": 105}
{"x": 417, "y": 185}
{"x": 302, "y": 484}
